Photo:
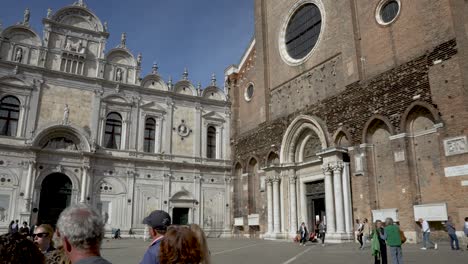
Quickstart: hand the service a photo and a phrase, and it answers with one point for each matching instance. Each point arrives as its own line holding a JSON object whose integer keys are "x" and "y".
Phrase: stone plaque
{"x": 454, "y": 146}
{"x": 464, "y": 183}
{"x": 456, "y": 171}
{"x": 262, "y": 183}
{"x": 382, "y": 214}
{"x": 431, "y": 212}
{"x": 358, "y": 162}
{"x": 399, "y": 155}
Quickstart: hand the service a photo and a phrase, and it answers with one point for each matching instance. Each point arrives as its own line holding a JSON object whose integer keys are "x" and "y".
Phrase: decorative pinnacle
{"x": 154, "y": 68}
{"x": 123, "y": 40}
{"x": 199, "y": 86}
{"x": 169, "y": 83}
{"x": 213, "y": 79}
{"x": 26, "y": 16}
{"x": 185, "y": 74}
{"x": 49, "y": 13}
{"x": 80, "y": 3}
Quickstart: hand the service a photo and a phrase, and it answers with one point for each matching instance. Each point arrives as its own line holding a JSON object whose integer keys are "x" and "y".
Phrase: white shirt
{"x": 425, "y": 226}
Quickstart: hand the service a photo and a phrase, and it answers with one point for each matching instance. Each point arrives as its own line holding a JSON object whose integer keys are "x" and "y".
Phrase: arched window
{"x": 211, "y": 143}
{"x": 113, "y": 131}
{"x": 9, "y": 116}
{"x": 150, "y": 128}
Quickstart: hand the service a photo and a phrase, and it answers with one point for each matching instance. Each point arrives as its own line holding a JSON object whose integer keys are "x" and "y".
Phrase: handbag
{"x": 402, "y": 237}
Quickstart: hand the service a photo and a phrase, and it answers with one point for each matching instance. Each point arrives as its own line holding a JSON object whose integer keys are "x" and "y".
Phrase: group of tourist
{"x": 390, "y": 234}
{"x": 79, "y": 234}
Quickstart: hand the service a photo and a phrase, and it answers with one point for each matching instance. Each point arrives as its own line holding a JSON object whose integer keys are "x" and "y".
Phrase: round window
{"x": 387, "y": 11}
{"x": 249, "y": 92}
{"x": 301, "y": 30}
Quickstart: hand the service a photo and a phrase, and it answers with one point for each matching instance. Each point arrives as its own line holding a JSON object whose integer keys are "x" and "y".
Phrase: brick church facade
{"x": 346, "y": 110}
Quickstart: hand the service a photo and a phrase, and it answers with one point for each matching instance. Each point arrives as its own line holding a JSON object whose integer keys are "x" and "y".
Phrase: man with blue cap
{"x": 157, "y": 221}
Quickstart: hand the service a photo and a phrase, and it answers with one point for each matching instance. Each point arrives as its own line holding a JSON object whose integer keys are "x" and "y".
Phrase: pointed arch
{"x": 419, "y": 106}
{"x": 342, "y": 138}
{"x": 372, "y": 122}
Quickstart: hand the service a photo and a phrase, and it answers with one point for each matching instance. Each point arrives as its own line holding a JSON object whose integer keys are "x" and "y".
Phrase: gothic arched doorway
{"x": 56, "y": 191}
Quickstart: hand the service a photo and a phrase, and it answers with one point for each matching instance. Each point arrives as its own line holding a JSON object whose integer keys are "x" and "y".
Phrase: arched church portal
{"x": 56, "y": 192}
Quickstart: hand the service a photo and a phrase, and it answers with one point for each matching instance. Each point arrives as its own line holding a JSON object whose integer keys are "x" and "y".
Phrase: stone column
{"x": 329, "y": 203}
{"x": 292, "y": 203}
{"x": 168, "y": 128}
{"x": 29, "y": 182}
{"x": 270, "y": 204}
{"x": 84, "y": 184}
{"x": 339, "y": 209}
{"x": 276, "y": 205}
{"x": 347, "y": 199}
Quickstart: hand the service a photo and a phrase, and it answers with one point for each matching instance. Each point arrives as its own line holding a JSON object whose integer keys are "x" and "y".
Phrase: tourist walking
{"x": 180, "y": 246}
{"x": 452, "y": 234}
{"x": 15, "y": 227}
{"x": 379, "y": 247}
{"x": 366, "y": 233}
{"x": 465, "y": 230}
{"x": 24, "y": 230}
{"x": 81, "y": 230}
{"x": 205, "y": 252}
{"x": 157, "y": 221}
{"x": 304, "y": 232}
{"x": 42, "y": 237}
{"x": 393, "y": 239}
{"x": 426, "y": 235}
{"x": 10, "y": 227}
{"x": 322, "y": 230}
{"x": 359, "y": 232}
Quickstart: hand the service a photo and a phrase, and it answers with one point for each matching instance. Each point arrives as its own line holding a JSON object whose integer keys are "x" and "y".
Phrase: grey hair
{"x": 388, "y": 221}
{"x": 82, "y": 226}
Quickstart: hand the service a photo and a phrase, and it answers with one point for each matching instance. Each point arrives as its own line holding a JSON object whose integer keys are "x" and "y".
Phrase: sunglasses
{"x": 40, "y": 235}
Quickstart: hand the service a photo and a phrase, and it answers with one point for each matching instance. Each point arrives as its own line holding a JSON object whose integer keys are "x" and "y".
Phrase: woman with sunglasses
{"x": 42, "y": 237}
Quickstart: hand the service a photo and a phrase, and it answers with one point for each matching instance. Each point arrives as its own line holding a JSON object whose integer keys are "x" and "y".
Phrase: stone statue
{"x": 19, "y": 55}
{"x": 66, "y": 113}
{"x": 123, "y": 39}
{"x": 27, "y": 15}
{"x": 118, "y": 75}
{"x": 81, "y": 48}
{"x": 49, "y": 13}
{"x": 105, "y": 26}
{"x": 139, "y": 58}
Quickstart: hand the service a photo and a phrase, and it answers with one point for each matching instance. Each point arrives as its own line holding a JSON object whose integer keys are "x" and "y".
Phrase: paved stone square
{"x": 245, "y": 251}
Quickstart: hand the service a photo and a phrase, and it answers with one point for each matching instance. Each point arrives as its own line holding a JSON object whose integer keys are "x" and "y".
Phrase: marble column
{"x": 292, "y": 202}
{"x": 276, "y": 205}
{"x": 84, "y": 184}
{"x": 347, "y": 199}
{"x": 339, "y": 208}
{"x": 329, "y": 201}
{"x": 270, "y": 204}
{"x": 29, "y": 182}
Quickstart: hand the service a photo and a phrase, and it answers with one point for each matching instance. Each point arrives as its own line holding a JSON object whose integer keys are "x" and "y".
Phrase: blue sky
{"x": 205, "y": 36}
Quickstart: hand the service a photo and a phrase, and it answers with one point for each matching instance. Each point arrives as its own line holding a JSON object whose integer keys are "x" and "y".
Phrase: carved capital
{"x": 228, "y": 179}
{"x": 85, "y": 167}
{"x": 327, "y": 169}
{"x": 292, "y": 179}
{"x": 276, "y": 179}
{"x": 338, "y": 167}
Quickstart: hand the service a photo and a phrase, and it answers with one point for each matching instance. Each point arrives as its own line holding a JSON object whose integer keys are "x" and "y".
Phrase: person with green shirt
{"x": 378, "y": 245}
{"x": 393, "y": 239}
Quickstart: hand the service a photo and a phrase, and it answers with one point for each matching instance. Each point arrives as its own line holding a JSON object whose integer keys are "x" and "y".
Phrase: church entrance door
{"x": 180, "y": 216}
{"x": 315, "y": 195}
{"x": 56, "y": 191}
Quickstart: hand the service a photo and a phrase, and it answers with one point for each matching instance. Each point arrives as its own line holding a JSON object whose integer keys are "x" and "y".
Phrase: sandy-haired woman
{"x": 205, "y": 251}
{"x": 180, "y": 246}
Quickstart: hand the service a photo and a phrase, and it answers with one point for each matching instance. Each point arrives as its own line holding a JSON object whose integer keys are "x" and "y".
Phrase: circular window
{"x": 301, "y": 31}
{"x": 387, "y": 11}
{"x": 248, "y": 94}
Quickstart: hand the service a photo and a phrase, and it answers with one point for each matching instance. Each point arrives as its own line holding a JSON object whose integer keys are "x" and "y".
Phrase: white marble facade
{"x": 127, "y": 145}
